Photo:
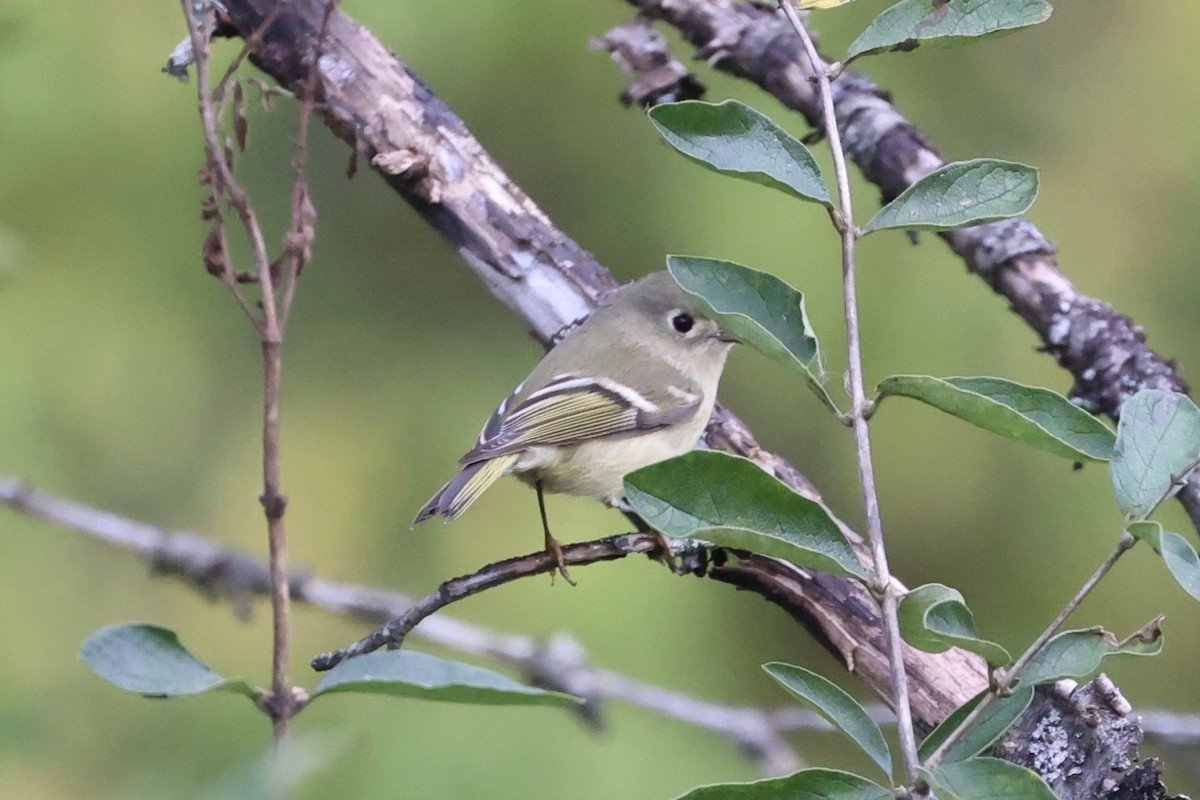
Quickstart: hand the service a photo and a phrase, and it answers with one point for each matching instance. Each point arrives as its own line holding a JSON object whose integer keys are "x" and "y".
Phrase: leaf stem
{"x": 860, "y": 407}
{"x": 1005, "y": 677}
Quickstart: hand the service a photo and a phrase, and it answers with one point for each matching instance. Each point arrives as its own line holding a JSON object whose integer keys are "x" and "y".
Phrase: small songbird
{"x": 633, "y": 385}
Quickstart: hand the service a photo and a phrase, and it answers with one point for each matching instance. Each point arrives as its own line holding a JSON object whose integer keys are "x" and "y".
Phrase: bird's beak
{"x": 724, "y": 336}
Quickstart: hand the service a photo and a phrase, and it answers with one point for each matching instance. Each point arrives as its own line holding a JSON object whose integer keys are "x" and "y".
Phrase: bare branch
{"x": 392, "y": 634}
{"x": 284, "y": 701}
{"x": 559, "y": 664}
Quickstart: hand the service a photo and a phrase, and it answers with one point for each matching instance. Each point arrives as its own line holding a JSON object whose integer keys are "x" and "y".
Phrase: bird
{"x": 632, "y": 385}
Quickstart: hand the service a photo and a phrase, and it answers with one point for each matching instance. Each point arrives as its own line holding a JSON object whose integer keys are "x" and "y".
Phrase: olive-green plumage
{"x": 634, "y": 384}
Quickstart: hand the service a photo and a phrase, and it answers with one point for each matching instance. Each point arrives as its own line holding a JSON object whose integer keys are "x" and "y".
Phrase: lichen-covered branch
{"x": 1104, "y": 351}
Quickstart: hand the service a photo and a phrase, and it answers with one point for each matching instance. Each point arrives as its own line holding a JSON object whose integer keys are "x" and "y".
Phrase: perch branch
{"x": 393, "y": 633}
{"x": 560, "y": 664}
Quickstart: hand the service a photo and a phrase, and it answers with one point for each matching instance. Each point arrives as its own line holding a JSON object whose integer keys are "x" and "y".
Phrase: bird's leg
{"x": 552, "y": 545}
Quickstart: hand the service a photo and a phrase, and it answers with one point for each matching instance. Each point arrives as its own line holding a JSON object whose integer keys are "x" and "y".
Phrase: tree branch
{"x": 560, "y": 664}
{"x": 843, "y": 219}
{"x": 1104, "y": 351}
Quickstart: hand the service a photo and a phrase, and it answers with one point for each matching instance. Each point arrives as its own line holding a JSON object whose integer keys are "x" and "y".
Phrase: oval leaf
{"x": 757, "y": 308}
{"x": 1077, "y": 654}
{"x": 808, "y": 784}
{"x": 831, "y": 702}
{"x": 911, "y": 21}
{"x": 403, "y": 673}
{"x": 733, "y": 139}
{"x": 1176, "y": 552}
{"x": 729, "y": 502}
{"x": 959, "y": 194}
{"x": 935, "y": 618}
{"x": 1028, "y": 414}
{"x": 1158, "y": 439}
{"x": 984, "y": 731}
{"x": 986, "y": 779}
{"x": 149, "y": 659}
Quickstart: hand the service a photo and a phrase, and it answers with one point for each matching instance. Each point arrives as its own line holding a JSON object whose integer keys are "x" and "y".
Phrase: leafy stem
{"x": 1004, "y": 678}
{"x": 860, "y": 407}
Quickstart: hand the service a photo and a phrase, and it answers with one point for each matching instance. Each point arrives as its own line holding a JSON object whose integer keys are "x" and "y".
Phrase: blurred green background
{"x": 130, "y": 380}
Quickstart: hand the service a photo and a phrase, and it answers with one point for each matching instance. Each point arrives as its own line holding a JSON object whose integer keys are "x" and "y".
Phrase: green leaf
{"x": 1077, "y": 654}
{"x": 408, "y": 674}
{"x": 984, "y": 731}
{"x": 1176, "y": 552}
{"x": 808, "y": 784}
{"x": 1028, "y": 414}
{"x": 935, "y": 618}
{"x": 842, "y": 710}
{"x": 757, "y": 308}
{"x": 1158, "y": 439}
{"x": 986, "y": 779}
{"x": 961, "y": 193}
{"x": 733, "y": 139}
{"x": 149, "y": 659}
{"x": 729, "y": 502}
{"x": 908, "y": 22}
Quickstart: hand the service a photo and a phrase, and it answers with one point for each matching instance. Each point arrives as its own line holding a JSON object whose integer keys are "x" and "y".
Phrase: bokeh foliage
{"x": 131, "y": 381}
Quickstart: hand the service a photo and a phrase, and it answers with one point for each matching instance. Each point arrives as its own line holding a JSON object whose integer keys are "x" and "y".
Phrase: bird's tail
{"x": 465, "y": 487}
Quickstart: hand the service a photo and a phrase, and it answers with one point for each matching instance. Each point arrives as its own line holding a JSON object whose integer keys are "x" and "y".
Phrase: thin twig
{"x": 284, "y": 702}
{"x": 860, "y": 407}
{"x": 228, "y": 186}
{"x": 1178, "y": 481}
{"x": 393, "y": 633}
{"x": 298, "y": 242}
{"x": 559, "y": 664}
{"x": 1004, "y": 681}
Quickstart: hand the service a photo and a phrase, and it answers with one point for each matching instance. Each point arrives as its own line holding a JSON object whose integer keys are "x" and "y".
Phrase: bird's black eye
{"x": 682, "y": 322}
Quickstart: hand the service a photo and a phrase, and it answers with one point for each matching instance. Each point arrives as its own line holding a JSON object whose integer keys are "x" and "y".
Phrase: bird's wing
{"x": 573, "y": 408}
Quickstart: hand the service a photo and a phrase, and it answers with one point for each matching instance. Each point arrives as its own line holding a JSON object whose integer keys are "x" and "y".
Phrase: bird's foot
{"x": 555, "y": 550}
